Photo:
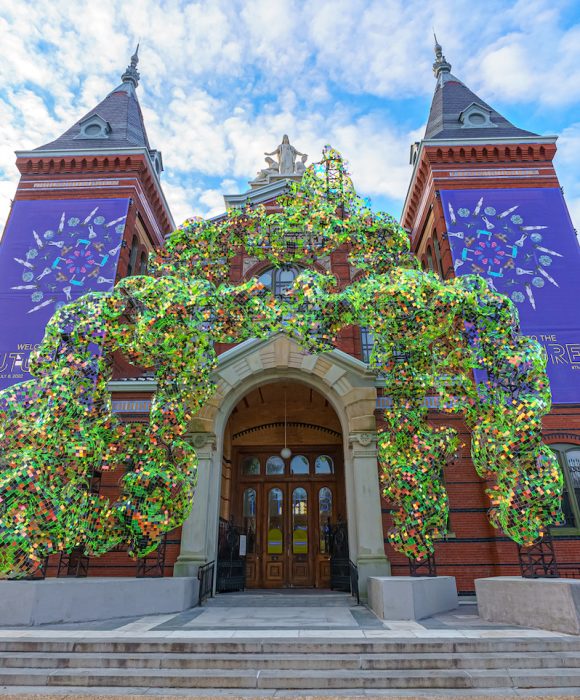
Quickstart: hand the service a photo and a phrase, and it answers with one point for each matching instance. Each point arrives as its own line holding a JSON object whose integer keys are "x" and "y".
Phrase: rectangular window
{"x": 569, "y": 459}
{"x": 367, "y": 340}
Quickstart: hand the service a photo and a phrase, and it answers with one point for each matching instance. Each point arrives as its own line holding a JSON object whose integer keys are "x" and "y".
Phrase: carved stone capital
{"x": 363, "y": 439}
{"x": 202, "y": 440}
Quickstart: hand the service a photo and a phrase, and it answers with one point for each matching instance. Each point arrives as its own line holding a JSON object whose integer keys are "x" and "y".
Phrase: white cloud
{"x": 224, "y": 79}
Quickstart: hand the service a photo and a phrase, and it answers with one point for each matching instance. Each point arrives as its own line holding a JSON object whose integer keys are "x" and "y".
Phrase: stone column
{"x": 195, "y": 530}
{"x": 369, "y": 549}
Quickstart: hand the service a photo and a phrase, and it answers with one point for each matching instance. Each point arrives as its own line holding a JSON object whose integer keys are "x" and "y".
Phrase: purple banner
{"x": 52, "y": 252}
{"x": 522, "y": 241}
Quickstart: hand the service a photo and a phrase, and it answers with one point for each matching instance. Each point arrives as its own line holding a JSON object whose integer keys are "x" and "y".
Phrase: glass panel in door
{"x": 249, "y": 526}
{"x": 275, "y": 526}
{"x": 300, "y": 551}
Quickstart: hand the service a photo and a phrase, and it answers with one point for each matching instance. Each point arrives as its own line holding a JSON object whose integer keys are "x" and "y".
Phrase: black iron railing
{"x": 354, "y": 581}
{"x": 539, "y": 560}
{"x": 153, "y": 565}
{"x": 340, "y": 573}
{"x": 205, "y": 575}
{"x": 75, "y": 563}
{"x": 231, "y": 567}
{"x": 425, "y": 567}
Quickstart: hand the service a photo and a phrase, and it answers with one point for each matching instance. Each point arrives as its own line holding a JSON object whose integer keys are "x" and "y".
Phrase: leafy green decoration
{"x": 58, "y": 430}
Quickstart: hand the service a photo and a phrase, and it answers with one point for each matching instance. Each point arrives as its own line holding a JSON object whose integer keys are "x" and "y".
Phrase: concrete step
{"x": 500, "y": 666}
{"x": 100, "y": 692}
{"x": 301, "y": 645}
{"x": 323, "y": 662}
{"x": 292, "y": 679}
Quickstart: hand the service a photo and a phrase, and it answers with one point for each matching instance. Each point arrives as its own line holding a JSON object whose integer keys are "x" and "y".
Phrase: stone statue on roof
{"x": 272, "y": 169}
{"x": 286, "y": 154}
{"x": 286, "y": 165}
{"x": 300, "y": 166}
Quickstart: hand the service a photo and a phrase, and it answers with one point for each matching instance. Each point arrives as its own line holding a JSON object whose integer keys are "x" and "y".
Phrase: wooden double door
{"x": 287, "y": 509}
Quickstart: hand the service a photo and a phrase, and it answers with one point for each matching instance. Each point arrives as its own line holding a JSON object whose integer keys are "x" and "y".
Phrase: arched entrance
{"x": 286, "y": 506}
{"x": 347, "y": 386}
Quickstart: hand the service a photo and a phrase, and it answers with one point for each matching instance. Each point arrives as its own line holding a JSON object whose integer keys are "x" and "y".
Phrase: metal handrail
{"x": 205, "y": 575}
{"x": 354, "y": 581}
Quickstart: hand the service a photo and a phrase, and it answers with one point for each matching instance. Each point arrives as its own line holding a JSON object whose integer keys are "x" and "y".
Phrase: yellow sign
{"x": 300, "y": 541}
{"x": 274, "y": 541}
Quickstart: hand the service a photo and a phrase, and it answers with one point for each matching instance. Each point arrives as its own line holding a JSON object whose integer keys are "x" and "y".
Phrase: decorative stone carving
{"x": 286, "y": 154}
{"x": 199, "y": 440}
{"x": 285, "y": 164}
{"x": 363, "y": 439}
{"x": 272, "y": 169}
{"x": 300, "y": 166}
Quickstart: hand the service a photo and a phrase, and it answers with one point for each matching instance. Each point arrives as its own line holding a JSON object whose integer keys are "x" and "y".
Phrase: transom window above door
{"x": 299, "y": 465}
{"x": 274, "y": 465}
{"x": 250, "y": 466}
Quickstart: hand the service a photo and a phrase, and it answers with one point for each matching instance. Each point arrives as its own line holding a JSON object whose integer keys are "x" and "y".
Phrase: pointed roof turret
{"x": 441, "y": 64}
{"x": 458, "y": 113}
{"x": 131, "y": 74}
{"x": 116, "y": 122}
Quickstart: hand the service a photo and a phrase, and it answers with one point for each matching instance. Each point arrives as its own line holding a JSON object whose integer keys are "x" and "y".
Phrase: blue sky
{"x": 222, "y": 80}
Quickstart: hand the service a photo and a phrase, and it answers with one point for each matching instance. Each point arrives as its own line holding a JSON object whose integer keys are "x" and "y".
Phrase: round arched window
{"x": 274, "y": 465}
{"x": 250, "y": 466}
{"x": 279, "y": 279}
{"x": 324, "y": 465}
{"x": 299, "y": 465}
{"x": 477, "y": 118}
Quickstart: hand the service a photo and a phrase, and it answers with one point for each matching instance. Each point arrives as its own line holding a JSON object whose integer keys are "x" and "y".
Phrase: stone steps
{"x": 305, "y": 645}
{"x": 293, "y": 679}
{"x": 356, "y": 662}
{"x": 497, "y": 665}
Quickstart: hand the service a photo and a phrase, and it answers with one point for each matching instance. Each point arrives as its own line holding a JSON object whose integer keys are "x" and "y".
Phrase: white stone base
{"x": 546, "y": 603}
{"x": 93, "y": 598}
{"x": 411, "y": 597}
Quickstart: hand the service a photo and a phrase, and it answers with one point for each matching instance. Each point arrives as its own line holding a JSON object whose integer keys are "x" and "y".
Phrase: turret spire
{"x": 131, "y": 74}
{"x": 441, "y": 64}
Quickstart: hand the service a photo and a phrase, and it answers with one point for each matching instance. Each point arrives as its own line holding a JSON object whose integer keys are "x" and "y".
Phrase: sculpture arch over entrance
{"x": 348, "y": 387}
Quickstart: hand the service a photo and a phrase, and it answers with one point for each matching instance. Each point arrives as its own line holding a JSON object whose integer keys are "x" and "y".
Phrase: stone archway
{"x": 348, "y": 386}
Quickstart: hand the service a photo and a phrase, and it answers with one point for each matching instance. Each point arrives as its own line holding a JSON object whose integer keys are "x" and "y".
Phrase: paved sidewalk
{"x": 282, "y": 614}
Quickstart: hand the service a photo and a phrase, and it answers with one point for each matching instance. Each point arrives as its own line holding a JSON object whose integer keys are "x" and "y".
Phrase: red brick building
{"x": 273, "y": 395}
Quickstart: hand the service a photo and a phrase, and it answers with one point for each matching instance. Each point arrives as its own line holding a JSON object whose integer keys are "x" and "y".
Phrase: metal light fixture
{"x": 285, "y": 452}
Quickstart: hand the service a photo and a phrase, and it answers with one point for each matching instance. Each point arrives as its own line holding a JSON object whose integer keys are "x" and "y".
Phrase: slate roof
{"x": 450, "y": 99}
{"x": 121, "y": 110}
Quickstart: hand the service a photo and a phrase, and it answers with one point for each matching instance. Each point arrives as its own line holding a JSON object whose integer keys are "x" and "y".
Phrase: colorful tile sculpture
{"x": 431, "y": 337}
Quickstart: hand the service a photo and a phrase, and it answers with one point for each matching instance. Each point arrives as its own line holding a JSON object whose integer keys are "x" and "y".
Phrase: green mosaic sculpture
{"x": 430, "y": 336}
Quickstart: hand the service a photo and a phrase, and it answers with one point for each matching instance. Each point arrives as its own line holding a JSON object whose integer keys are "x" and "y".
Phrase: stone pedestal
{"x": 546, "y": 603}
{"x": 411, "y": 597}
{"x": 198, "y": 532}
{"x": 81, "y": 599}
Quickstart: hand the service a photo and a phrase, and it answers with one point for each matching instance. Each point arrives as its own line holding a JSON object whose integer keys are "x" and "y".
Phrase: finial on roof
{"x": 131, "y": 74}
{"x": 441, "y": 64}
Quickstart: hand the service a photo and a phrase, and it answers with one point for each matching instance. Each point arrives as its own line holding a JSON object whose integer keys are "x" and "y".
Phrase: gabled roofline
{"x": 84, "y": 120}
{"x": 477, "y": 105}
{"x": 233, "y": 355}
{"x": 133, "y": 151}
{"x": 257, "y": 195}
{"x": 342, "y": 359}
{"x": 491, "y": 141}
